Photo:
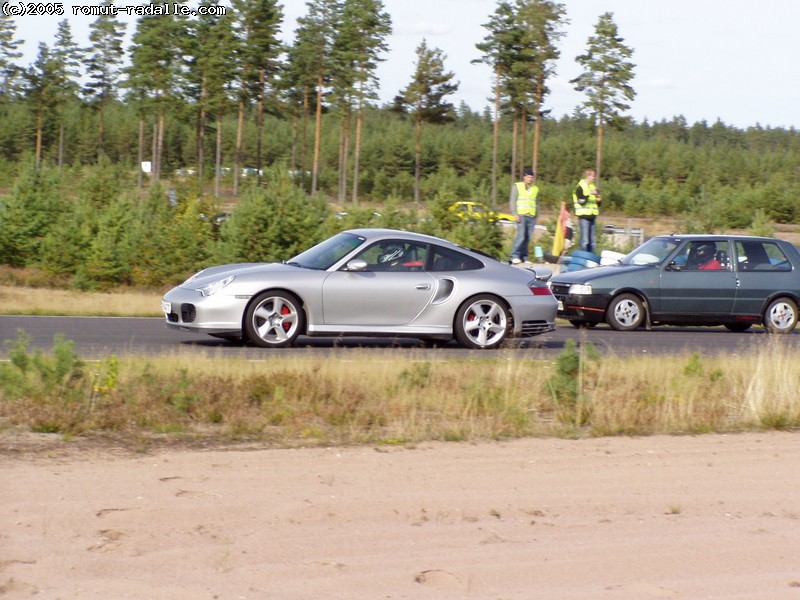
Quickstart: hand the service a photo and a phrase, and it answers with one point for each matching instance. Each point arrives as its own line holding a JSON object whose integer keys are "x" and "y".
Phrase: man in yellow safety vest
{"x": 586, "y": 201}
{"x": 523, "y": 203}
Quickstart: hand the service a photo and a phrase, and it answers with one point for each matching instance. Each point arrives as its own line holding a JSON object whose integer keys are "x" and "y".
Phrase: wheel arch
{"x": 774, "y": 296}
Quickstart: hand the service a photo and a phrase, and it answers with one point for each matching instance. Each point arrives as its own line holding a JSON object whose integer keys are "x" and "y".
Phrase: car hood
{"x": 239, "y": 269}
{"x": 594, "y": 273}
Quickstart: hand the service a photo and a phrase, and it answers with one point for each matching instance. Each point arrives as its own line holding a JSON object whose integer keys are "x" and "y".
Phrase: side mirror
{"x": 356, "y": 264}
{"x": 673, "y": 266}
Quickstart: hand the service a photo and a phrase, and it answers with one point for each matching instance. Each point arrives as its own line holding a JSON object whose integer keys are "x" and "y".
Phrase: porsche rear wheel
{"x": 274, "y": 320}
{"x": 482, "y": 322}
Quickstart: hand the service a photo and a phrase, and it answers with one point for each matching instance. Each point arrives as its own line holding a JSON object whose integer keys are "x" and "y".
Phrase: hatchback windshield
{"x": 327, "y": 253}
{"x": 651, "y": 252}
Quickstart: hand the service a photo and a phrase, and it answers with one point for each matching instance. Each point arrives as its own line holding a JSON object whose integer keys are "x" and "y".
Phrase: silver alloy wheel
{"x": 482, "y": 322}
{"x": 781, "y": 316}
{"x": 274, "y": 320}
{"x": 625, "y": 313}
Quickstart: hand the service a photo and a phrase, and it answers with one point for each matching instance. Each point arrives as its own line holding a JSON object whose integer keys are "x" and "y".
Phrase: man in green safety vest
{"x": 523, "y": 203}
{"x": 586, "y": 201}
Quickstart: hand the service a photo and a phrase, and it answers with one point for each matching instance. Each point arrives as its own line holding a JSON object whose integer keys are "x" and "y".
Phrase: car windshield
{"x": 327, "y": 253}
{"x": 652, "y": 252}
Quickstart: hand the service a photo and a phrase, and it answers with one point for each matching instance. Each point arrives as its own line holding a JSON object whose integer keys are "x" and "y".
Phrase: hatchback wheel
{"x": 274, "y": 320}
{"x": 625, "y": 313}
{"x": 482, "y": 322}
{"x": 781, "y": 316}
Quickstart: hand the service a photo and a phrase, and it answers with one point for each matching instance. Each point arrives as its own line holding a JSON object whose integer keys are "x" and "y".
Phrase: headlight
{"x": 213, "y": 288}
{"x": 580, "y": 289}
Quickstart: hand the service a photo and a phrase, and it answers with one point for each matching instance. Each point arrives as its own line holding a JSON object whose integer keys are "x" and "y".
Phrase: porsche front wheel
{"x": 274, "y": 320}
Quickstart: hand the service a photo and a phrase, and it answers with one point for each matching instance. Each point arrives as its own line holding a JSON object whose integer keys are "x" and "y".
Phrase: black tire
{"x": 738, "y": 327}
{"x": 582, "y": 324}
{"x": 274, "y": 320}
{"x": 482, "y": 322}
{"x": 781, "y": 316}
{"x": 626, "y": 312}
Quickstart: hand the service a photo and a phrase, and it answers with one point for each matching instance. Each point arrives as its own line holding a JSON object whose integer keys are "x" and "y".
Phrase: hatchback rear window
{"x": 761, "y": 256}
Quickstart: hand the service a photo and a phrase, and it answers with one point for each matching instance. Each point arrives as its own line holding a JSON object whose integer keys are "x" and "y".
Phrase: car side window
{"x": 704, "y": 255}
{"x": 395, "y": 255}
{"x": 761, "y": 256}
{"x": 445, "y": 259}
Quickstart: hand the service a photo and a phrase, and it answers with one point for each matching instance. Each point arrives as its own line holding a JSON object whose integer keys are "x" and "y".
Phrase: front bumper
{"x": 583, "y": 307}
{"x": 188, "y": 310}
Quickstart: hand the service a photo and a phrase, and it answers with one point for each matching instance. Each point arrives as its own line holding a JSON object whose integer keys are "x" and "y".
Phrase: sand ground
{"x": 711, "y": 516}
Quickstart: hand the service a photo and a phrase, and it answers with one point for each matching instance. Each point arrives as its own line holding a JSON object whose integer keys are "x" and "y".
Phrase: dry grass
{"x": 364, "y": 399}
{"x": 41, "y": 301}
{"x": 369, "y": 400}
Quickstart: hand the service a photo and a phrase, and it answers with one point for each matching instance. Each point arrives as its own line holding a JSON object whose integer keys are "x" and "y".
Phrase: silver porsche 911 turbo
{"x": 367, "y": 282}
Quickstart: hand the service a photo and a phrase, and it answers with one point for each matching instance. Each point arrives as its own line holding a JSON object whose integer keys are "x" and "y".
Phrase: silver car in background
{"x": 367, "y": 282}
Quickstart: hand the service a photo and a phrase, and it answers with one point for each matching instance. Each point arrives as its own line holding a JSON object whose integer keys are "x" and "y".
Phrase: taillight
{"x": 541, "y": 291}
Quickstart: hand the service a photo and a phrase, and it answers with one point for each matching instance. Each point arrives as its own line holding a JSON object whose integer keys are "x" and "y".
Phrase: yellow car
{"x": 477, "y": 210}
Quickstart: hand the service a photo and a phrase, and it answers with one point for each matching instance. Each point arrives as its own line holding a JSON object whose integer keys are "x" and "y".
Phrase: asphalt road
{"x": 99, "y": 337}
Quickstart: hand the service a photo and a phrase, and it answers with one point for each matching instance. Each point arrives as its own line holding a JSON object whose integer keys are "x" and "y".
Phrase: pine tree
{"x": 103, "y": 69}
{"x": 9, "y": 70}
{"x": 257, "y": 27}
{"x": 315, "y": 36}
{"x": 521, "y": 47}
{"x": 43, "y": 83}
{"x": 359, "y": 43}
{"x": 214, "y": 72}
{"x": 155, "y": 76}
{"x": 605, "y": 79}
{"x": 424, "y": 98}
{"x": 68, "y": 58}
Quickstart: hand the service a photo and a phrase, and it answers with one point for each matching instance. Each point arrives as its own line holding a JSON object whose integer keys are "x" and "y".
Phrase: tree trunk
{"x": 39, "y": 120}
{"x": 259, "y": 124}
{"x": 537, "y": 128}
{"x": 101, "y": 131}
{"x": 357, "y": 150}
{"x": 218, "y": 158}
{"x": 154, "y": 150}
{"x": 317, "y": 131}
{"x": 523, "y": 134}
{"x": 162, "y": 125}
{"x": 61, "y": 145}
{"x": 514, "y": 128}
{"x": 239, "y": 137}
{"x": 495, "y": 135}
{"x": 201, "y": 134}
{"x": 344, "y": 155}
{"x": 418, "y": 159}
{"x": 304, "y": 137}
{"x": 140, "y": 153}
{"x": 599, "y": 157}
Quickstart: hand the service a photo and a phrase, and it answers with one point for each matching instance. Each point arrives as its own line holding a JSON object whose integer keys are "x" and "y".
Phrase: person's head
{"x": 528, "y": 175}
{"x": 391, "y": 254}
{"x": 589, "y": 174}
{"x": 705, "y": 252}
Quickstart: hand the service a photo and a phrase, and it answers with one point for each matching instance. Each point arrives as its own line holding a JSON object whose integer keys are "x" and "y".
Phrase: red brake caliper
{"x": 286, "y": 311}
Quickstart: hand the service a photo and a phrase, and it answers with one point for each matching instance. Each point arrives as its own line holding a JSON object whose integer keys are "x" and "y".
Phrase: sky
{"x": 705, "y": 60}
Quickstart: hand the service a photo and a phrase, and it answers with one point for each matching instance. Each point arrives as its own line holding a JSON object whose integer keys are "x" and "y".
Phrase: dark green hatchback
{"x": 730, "y": 280}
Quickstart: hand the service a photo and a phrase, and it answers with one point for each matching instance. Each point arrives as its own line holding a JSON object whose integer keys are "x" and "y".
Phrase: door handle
{"x": 423, "y": 286}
